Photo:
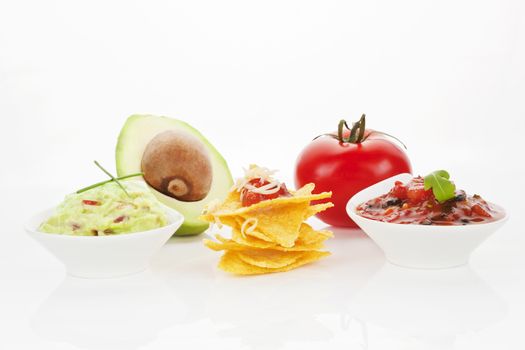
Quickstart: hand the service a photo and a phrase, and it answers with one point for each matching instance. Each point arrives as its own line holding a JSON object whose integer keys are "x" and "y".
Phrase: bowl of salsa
{"x": 415, "y": 229}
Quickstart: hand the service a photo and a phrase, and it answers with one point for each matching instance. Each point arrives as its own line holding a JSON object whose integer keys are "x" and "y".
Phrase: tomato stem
{"x": 357, "y": 132}
{"x": 362, "y": 124}
{"x": 340, "y": 127}
{"x": 353, "y": 133}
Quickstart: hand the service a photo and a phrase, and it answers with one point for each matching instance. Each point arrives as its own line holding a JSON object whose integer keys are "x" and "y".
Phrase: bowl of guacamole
{"x": 107, "y": 210}
{"x": 106, "y": 231}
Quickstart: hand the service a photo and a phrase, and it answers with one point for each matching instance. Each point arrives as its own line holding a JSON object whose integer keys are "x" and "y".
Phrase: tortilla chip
{"x": 317, "y": 208}
{"x": 268, "y": 236}
{"x": 232, "y": 263}
{"x": 232, "y": 204}
{"x": 255, "y": 232}
{"x": 309, "y": 236}
{"x": 251, "y": 240}
{"x": 279, "y": 224}
{"x": 306, "y": 190}
{"x": 269, "y": 258}
{"x": 254, "y": 243}
{"x": 218, "y": 246}
{"x": 306, "y": 238}
{"x": 278, "y": 220}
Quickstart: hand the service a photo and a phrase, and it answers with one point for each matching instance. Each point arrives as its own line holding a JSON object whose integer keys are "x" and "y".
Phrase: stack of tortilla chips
{"x": 269, "y": 236}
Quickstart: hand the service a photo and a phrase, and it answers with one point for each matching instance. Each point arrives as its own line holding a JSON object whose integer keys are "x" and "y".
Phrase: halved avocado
{"x": 181, "y": 167}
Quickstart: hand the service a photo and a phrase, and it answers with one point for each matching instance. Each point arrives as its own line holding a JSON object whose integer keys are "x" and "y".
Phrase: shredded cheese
{"x": 271, "y": 188}
{"x": 211, "y": 208}
{"x": 256, "y": 172}
{"x": 248, "y": 226}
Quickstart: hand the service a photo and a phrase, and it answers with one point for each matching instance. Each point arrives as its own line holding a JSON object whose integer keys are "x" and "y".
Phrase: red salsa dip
{"x": 411, "y": 204}
{"x": 258, "y": 190}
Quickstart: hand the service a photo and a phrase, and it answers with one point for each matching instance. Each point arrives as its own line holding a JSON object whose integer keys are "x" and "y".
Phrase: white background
{"x": 260, "y": 80}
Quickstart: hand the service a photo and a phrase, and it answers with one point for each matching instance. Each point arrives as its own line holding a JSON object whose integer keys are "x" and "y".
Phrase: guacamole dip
{"x": 107, "y": 210}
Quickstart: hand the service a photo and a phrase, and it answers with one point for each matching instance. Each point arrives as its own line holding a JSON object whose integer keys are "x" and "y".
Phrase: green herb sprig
{"x": 442, "y": 187}
{"x": 112, "y": 179}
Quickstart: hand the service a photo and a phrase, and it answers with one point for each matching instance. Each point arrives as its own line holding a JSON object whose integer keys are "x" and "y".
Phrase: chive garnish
{"x": 113, "y": 179}
{"x": 98, "y": 184}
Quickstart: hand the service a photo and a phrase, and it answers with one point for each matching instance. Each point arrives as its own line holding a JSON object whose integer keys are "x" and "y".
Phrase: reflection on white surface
{"x": 122, "y": 313}
{"x": 183, "y": 287}
{"x": 431, "y": 306}
{"x": 340, "y": 300}
{"x": 271, "y": 311}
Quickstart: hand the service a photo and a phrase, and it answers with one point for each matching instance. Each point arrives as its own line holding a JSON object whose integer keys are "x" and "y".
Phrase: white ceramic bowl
{"x": 104, "y": 256}
{"x": 420, "y": 246}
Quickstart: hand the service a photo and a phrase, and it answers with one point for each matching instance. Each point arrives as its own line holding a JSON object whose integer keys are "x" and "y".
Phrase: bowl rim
{"x": 351, "y": 211}
{"x": 29, "y": 228}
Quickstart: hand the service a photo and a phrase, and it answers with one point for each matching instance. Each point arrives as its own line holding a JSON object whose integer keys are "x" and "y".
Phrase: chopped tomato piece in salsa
{"x": 90, "y": 202}
{"x": 411, "y": 204}
{"x": 252, "y": 193}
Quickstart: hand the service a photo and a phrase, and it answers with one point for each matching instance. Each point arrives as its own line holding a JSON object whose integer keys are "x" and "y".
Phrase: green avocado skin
{"x": 136, "y": 133}
{"x": 191, "y": 229}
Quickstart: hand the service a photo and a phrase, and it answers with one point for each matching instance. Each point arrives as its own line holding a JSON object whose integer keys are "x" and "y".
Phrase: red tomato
{"x": 345, "y": 167}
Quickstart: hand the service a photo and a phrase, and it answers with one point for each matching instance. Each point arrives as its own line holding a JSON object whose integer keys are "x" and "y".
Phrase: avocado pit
{"x": 178, "y": 165}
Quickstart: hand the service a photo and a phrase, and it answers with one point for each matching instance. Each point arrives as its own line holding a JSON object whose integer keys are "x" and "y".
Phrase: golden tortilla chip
{"x": 215, "y": 209}
{"x": 249, "y": 239}
{"x": 254, "y": 243}
{"x": 269, "y": 236}
{"x": 277, "y": 220}
{"x": 250, "y": 231}
{"x": 232, "y": 204}
{"x": 218, "y": 246}
{"x": 306, "y": 190}
{"x": 269, "y": 258}
{"x": 309, "y": 236}
{"x": 237, "y": 221}
{"x": 232, "y": 263}
{"x": 317, "y": 208}
{"x": 279, "y": 224}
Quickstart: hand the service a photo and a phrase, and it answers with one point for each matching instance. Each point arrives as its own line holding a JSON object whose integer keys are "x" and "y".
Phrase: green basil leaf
{"x": 442, "y": 187}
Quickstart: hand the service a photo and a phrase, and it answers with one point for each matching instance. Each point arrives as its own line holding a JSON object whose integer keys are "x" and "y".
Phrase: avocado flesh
{"x": 135, "y": 135}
